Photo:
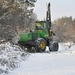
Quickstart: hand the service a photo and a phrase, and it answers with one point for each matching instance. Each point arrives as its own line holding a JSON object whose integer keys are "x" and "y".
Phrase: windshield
{"x": 39, "y": 27}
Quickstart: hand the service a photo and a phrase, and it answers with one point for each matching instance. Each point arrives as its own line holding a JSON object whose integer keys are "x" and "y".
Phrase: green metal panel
{"x": 35, "y": 35}
{"x": 25, "y": 37}
{"x": 42, "y": 34}
{"x": 32, "y": 36}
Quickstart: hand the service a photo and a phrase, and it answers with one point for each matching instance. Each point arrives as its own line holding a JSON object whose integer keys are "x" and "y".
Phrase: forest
{"x": 17, "y": 16}
{"x": 64, "y": 28}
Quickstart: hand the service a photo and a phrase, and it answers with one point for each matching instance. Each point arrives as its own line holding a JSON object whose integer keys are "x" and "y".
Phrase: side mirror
{"x": 54, "y": 34}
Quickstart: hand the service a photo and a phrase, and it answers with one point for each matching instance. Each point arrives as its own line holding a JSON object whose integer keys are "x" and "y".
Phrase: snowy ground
{"x": 48, "y": 63}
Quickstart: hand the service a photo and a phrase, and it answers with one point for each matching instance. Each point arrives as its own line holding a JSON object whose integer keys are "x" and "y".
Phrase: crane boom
{"x": 48, "y": 18}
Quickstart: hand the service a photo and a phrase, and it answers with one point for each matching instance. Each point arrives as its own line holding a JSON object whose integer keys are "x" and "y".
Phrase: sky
{"x": 59, "y": 8}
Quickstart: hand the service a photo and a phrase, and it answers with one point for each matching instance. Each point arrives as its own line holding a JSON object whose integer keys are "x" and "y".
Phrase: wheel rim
{"x": 42, "y": 45}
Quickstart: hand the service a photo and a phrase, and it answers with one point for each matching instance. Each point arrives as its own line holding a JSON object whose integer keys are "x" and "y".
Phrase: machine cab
{"x": 41, "y": 26}
{"x": 38, "y": 26}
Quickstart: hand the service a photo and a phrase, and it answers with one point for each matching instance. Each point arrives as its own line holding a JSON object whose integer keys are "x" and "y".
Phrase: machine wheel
{"x": 53, "y": 46}
{"x": 40, "y": 45}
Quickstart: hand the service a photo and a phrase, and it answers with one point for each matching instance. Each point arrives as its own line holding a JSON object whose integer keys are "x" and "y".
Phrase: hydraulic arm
{"x": 48, "y": 18}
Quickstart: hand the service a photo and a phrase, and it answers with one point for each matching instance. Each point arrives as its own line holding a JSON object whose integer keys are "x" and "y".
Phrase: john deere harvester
{"x": 41, "y": 36}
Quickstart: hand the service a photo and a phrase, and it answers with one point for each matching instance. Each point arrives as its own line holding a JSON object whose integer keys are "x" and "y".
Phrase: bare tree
{"x": 64, "y": 28}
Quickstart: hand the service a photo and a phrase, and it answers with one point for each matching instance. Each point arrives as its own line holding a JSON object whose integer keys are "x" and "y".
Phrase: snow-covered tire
{"x": 53, "y": 46}
{"x": 40, "y": 45}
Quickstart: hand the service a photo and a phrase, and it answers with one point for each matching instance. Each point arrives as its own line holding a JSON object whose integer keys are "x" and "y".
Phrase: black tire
{"x": 40, "y": 45}
{"x": 53, "y": 46}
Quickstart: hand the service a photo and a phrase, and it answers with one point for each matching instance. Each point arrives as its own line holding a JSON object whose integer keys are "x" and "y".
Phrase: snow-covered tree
{"x": 16, "y": 16}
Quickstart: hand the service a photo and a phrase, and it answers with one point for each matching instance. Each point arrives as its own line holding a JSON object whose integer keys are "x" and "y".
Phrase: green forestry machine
{"x": 41, "y": 37}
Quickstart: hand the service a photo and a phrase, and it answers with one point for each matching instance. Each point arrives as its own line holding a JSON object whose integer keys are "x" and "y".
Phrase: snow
{"x": 10, "y": 56}
{"x": 61, "y": 62}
